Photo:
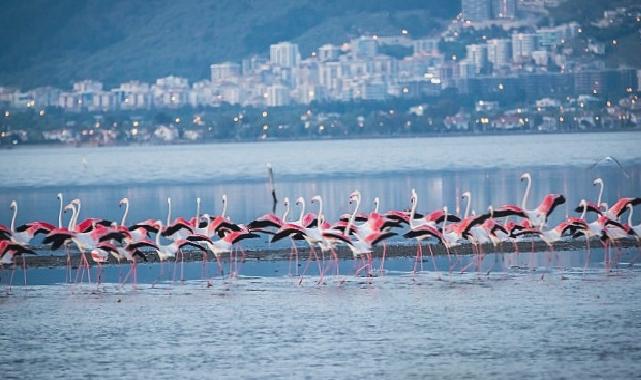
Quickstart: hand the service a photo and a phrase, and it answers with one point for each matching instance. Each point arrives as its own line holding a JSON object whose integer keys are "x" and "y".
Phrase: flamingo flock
{"x": 360, "y": 231}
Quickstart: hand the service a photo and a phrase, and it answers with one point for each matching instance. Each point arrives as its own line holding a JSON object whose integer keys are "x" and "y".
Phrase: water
{"x": 215, "y": 163}
{"x": 510, "y": 325}
{"x": 570, "y": 324}
{"x": 439, "y": 168}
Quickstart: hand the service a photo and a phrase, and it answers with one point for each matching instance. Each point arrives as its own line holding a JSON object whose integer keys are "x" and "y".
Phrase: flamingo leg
{"x": 382, "y": 268}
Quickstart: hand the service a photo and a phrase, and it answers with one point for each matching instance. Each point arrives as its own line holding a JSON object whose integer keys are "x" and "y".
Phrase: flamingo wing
{"x": 57, "y": 239}
{"x": 186, "y": 243}
{"x": 509, "y": 210}
{"x": 175, "y": 228}
{"x": 549, "y": 203}
{"x": 378, "y": 237}
{"x": 590, "y": 207}
{"x": 286, "y": 231}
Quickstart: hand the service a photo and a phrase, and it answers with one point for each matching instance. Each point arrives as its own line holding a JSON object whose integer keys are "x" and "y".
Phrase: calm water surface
{"x": 571, "y": 324}
{"x": 511, "y": 325}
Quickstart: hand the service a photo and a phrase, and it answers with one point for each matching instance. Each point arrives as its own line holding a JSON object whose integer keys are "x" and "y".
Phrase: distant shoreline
{"x": 455, "y": 134}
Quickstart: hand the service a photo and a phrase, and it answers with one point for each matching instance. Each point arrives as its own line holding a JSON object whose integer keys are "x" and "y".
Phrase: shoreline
{"x": 343, "y": 252}
{"x": 453, "y": 134}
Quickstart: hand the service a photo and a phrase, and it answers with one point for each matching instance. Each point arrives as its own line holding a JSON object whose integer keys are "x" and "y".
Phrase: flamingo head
{"x": 197, "y": 200}
{"x": 224, "y": 197}
{"x": 377, "y": 201}
{"x": 59, "y": 195}
{"x": 300, "y": 201}
{"x": 75, "y": 202}
{"x": 316, "y": 198}
{"x": 525, "y": 176}
{"x": 597, "y": 181}
{"x": 168, "y": 200}
{"x": 123, "y": 201}
{"x": 490, "y": 209}
{"x": 13, "y": 205}
{"x": 413, "y": 197}
{"x": 286, "y": 201}
{"x": 445, "y": 210}
{"x": 354, "y": 197}
{"x": 466, "y": 194}
{"x": 68, "y": 207}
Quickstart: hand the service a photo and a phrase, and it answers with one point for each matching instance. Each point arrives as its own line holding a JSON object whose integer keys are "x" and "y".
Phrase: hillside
{"x": 52, "y": 42}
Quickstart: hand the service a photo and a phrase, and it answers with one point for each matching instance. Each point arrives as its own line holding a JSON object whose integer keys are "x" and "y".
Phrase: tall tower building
{"x": 284, "y": 54}
{"x": 476, "y": 10}
{"x": 504, "y": 8}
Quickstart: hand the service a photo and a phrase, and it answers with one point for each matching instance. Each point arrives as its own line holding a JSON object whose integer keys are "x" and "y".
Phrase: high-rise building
{"x": 284, "y": 54}
{"x": 277, "y": 96}
{"x": 499, "y": 52}
{"x": 328, "y": 52}
{"x": 476, "y": 10}
{"x": 523, "y": 44}
{"x": 364, "y": 47}
{"x": 477, "y": 54}
{"x": 224, "y": 71}
{"x": 504, "y": 9}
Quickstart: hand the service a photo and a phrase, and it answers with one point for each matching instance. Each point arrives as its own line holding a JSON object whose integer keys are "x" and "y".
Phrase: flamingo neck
{"x": 124, "y": 215}
{"x": 413, "y": 210}
{"x": 286, "y": 213}
{"x": 352, "y": 217}
{"x": 302, "y": 211}
{"x": 527, "y": 192}
{"x": 73, "y": 215}
{"x": 467, "y": 207}
{"x": 444, "y": 220}
{"x": 60, "y": 212}
{"x": 158, "y": 234}
{"x": 598, "y": 202}
{"x": 376, "y": 204}
{"x": 320, "y": 213}
{"x": 585, "y": 210}
{"x": 75, "y": 221}
{"x": 169, "y": 211}
{"x": 224, "y": 207}
{"x": 630, "y": 215}
{"x": 13, "y": 219}
{"x": 197, "y": 212}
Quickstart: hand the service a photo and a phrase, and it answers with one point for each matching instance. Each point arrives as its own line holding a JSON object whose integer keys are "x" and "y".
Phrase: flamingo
{"x": 169, "y": 250}
{"x": 367, "y": 234}
{"x": 139, "y": 231}
{"x": 8, "y": 251}
{"x": 421, "y": 229}
{"x": 25, "y": 233}
{"x": 539, "y": 216}
{"x": 635, "y": 229}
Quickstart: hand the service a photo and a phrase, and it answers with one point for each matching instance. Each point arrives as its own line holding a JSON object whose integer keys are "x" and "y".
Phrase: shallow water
{"x": 510, "y": 324}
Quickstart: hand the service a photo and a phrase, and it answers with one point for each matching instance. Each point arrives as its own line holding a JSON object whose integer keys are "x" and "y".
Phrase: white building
{"x": 477, "y": 54}
{"x": 499, "y": 52}
{"x": 277, "y": 96}
{"x": 328, "y": 52}
{"x": 133, "y": 95}
{"x": 364, "y": 47}
{"x": 523, "y": 44}
{"x": 87, "y": 86}
{"x": 225, "y": 71}
{"x": 425, "y": 46}
{"x": 284, "y": 54}
{"x": 170, "y": 92}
